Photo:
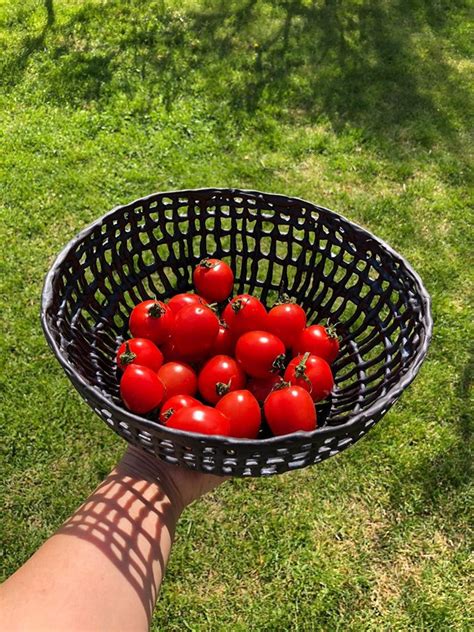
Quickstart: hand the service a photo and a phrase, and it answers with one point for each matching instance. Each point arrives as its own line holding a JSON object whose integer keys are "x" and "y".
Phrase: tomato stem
{"x": 279, "y": 385}
{"x": 237, "y": 305}
{"x": 167, "y": 414}
{"x": 300, "y": 370}
{"x": 222, "y": 388}
{"x": 331, "y": 330}
{"x": 278, "y": 363}
{"x": 156, "y": 310}
{"x": 284, "y": 299}
{"x": 214, "y": 307}
{"x": 205, "y": 263}
{"x": 127, "y": 357}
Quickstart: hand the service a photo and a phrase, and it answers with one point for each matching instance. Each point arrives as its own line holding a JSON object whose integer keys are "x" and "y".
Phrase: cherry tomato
{"x": 175, "y": 403}
{"x": 178, "y": 379}
{"x": 170, "y": 354}
{"x": 152, "y": 320}
{"x": 140, "y": 389}
{"x": 220, "y": 375}
{"x": 245, "y": 313}
{"x": 202, "y": 419}
{"x": 224, "y": 344}
{"x": 290, "y": 409}
{"x": 261, "y": 388}
{"x": 260, "y": 353}
{"x": 195, "y": 329}
{"x": 318, "y": 340}
{"x": 213, "y": 279}
{"x": 139, "y": 351}
{"x": 244, "y": 413}
{"x": 178, "y": 301}
{"x": 286, "y": 321}
{"x": 311, "y": 373}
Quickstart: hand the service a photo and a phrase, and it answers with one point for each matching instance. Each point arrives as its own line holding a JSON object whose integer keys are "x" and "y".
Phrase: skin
{"x": 103, "y": 569}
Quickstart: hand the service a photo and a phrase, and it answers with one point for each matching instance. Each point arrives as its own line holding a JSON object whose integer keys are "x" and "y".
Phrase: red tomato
{"x": 170, "y": 354}
{"x": 202, "y": 419}
{"x": 318, "y": 340}
{"x": 140, "y": 389}
{"x": 261, "y": 388}
{"x": 139, "y": 351}
{"x": 178, "y": 379}
{"x": 245, "y": 313}
{"x": 290, "y": 409}
{"x": 195, "y": 329}
{"x": 175, "y": 403}
{"x": 286, "y": 321}
{"x": 244, "y": 413}
{"x": 260, "y": 353}
{"x": 220, "y": 375}
{"x": 224, "y": 344}
{"x": 178, "y": 301}
{"x": 311, "y": 373}
{"x": 213, "y": 279}
{"x": 152, "y": 320}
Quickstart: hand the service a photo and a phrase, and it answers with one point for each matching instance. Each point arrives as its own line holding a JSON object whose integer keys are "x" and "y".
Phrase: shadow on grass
{"x": 50, "y": 15}
{"x": 30, "y": 45}
{"x": 378, "y": 66}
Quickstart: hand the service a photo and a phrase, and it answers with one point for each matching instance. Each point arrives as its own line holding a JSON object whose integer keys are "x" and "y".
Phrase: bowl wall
{"x": 274, "y": 244}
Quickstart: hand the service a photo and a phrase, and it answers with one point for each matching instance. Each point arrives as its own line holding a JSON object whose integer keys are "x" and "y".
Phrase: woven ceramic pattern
{"x": 332, "y": 267}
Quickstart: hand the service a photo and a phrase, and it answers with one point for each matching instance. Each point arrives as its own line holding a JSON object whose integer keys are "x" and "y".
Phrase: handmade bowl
{"x": 332, "y": 267}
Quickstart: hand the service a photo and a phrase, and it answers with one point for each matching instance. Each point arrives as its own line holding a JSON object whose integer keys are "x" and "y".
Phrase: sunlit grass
{"x": 362, "y": 107}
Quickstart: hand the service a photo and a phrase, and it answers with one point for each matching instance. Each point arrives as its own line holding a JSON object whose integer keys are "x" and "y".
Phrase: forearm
{"x": 103, "y": 568}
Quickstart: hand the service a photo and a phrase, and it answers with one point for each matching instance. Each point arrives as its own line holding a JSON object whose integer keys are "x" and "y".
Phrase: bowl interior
{"x": 274, "y": 244}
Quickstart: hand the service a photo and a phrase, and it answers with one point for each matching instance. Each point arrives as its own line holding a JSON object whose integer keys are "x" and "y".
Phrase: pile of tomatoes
{"x": 210, "y": 364}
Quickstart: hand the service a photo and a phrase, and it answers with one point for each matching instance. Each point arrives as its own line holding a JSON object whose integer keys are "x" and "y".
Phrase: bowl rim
{"x": 374, "y": 410}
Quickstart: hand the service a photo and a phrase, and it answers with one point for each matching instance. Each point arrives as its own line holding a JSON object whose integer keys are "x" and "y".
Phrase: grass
{"x": 360, "y": 106}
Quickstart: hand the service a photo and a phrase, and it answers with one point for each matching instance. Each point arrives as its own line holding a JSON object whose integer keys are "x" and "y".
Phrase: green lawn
{"x": 360, "y": 105}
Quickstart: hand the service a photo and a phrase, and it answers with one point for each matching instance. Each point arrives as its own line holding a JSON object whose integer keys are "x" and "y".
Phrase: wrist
{"x": 141, "y": 466}
{"x": 181, "y": 485}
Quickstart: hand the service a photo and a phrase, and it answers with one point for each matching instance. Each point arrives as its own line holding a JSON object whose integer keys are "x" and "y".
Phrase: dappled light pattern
{"x": 112, "y": 520}
{"x": 367, "y": 64}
